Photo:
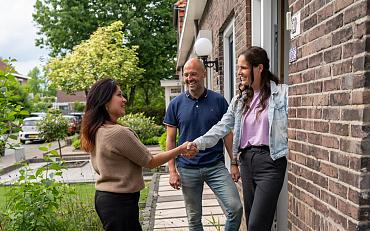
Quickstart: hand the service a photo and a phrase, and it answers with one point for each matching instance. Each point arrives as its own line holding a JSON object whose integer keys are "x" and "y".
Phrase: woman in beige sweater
{"x": 117, "y": 156}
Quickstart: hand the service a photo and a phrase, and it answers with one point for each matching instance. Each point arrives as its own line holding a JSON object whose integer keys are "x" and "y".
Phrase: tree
{"x": 11, "y": 106}
{"x": 54, "y": 127}
{"x": 96, "y": 58}
{"x": 148, "y": 25}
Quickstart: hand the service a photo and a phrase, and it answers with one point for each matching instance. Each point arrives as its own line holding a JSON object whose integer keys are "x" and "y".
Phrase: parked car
{"x": 72, "y": 124}
{"x": 37, "y": 114}
{"x": 30, "y": 131}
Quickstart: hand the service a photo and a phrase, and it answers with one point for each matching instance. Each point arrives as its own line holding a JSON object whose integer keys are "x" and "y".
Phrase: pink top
{"x": 255, "y": 131}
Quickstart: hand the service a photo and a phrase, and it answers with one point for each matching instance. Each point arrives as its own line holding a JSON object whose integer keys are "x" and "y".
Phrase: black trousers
{"x": 118, "y": 211}
{"x": 262, "y": 180}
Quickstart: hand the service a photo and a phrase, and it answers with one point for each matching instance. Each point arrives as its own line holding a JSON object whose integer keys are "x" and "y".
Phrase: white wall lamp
{"x": 203, "y": 48}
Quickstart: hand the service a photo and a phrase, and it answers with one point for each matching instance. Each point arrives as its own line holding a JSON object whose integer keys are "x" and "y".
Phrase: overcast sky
{"x": 18, "y": 34}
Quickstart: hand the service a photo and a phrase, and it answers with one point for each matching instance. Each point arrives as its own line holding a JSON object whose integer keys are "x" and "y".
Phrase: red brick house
{"x": 65, "y": 102}
{"x": 324, "y": 58}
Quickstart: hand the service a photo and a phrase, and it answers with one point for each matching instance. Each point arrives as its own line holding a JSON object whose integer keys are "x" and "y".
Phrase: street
{"x": 31, "y": 149}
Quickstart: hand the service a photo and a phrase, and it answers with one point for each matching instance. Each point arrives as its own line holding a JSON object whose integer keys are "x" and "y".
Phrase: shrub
{"x": 35, "y": 202}
{"x": 157, "y": 113}
{"x": 162, "y": 140}
{"x": 76, "y": 142}
{"x": 153, "y": 140}
{"x": 54, "y": 127}
{"x": 144, "y": 127}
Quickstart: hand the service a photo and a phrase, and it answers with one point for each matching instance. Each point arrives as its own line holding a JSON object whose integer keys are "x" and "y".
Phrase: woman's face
{"x": 116, "y": 105}
{"x": 244, "y": 72}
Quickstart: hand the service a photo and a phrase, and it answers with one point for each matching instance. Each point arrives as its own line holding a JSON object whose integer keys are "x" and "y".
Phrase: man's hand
{"x": 174, "y": 180}
{"x": 234, "y": 171}
{"x": 189, "y": 149}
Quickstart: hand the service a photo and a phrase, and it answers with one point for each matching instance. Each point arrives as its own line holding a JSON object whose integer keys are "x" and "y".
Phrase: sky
{"x": 18, "y": 34}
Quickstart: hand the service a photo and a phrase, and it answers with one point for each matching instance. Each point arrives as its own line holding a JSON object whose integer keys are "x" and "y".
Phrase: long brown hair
{"x": 255, "y": 56}
{"x": 95, "y": 112}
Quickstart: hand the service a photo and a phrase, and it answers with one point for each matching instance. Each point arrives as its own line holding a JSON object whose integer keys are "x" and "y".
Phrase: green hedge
{"x": 145, "y": 127}
{"x": 156, "y": 113}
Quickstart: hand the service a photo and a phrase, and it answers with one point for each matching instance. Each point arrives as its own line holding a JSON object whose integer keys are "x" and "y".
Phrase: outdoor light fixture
{"x": 203, "y": 48}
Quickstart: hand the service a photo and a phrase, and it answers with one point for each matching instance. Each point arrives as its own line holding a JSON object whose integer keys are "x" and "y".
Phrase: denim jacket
{"x": 231, "y": 121}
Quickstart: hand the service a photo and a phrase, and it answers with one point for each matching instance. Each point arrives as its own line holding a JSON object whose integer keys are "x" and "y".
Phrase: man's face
{"x": 194, "y": 76}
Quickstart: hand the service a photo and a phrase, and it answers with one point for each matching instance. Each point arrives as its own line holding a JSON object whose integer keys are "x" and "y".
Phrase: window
{"x": 229, "y": 61}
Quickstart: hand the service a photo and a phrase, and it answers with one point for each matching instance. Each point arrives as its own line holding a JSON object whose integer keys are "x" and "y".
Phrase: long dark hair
{"x": 95, "y": 112}
{"x": 255, "y": 56}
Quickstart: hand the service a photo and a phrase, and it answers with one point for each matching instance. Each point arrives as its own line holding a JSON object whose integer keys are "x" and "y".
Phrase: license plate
{"x": 32, "y": 136}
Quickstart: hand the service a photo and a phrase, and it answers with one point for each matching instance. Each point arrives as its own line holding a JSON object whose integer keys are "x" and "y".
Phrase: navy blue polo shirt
{"x": 194, "y": 117}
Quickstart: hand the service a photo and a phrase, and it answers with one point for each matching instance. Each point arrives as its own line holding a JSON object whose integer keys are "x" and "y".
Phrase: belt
{"x": 261, "y": 147}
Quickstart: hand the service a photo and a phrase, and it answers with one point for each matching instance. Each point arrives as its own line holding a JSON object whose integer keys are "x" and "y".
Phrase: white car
{"x": 29, "y": 130}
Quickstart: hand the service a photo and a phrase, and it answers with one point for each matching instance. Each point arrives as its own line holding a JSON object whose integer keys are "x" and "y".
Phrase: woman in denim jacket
{"x": 258, "y": 115}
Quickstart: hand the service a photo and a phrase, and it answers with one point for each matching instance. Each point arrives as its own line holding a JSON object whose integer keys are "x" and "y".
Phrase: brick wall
{"x": 216, "y": 18}
{"x": 329, "y": 117}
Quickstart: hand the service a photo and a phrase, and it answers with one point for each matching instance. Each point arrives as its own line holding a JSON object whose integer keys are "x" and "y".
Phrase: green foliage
{"x": 148, "y": 25}
{"x": 96, "y": 58}
{"x": 76, "y": 142}
{"x": 162, "y": 140}
{"x": 78, "y": 106}
{"x": 151, "y": 141}
{"x": 35, "y": 202}
{"x": 144, "y": 127}
{"x": 53, "y": 127}
{"x": 11, "y": 106}
{"x": 157, "y": 113}
{"x": 215, "y": 223}
{"x": 39, "y": 202}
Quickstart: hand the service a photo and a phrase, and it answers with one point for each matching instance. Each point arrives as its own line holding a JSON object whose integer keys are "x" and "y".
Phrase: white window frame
{"x": 262, "y": 26}
{"x": 229, "y": 81}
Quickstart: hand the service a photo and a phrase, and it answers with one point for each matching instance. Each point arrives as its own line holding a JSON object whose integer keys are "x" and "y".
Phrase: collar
{"x": 274, "y": 88}
{"x": 203, "y": 95}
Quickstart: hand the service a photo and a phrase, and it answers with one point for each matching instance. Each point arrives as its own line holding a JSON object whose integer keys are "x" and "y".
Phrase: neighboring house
{"x": 324, "y": 57}
{"x": 65, "y": 102}
{"x": 22, "y": 79}
{"x": 172, "y": 88}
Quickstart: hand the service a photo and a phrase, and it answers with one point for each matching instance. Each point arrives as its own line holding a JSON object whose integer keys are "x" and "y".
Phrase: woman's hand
{"x": 188, "y": 149}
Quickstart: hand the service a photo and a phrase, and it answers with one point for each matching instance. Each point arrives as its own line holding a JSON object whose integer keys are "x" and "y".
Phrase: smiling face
{"x": 194, "y": 75}
{"x": 116, "y": 105}
{"x": 245, "y": 73}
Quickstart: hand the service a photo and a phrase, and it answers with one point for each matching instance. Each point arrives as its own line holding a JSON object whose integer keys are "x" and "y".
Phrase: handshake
{"x": 188, "y": 149}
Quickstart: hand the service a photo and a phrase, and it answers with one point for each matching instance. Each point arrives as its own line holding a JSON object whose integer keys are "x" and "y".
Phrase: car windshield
{"x": 30, "y": 123}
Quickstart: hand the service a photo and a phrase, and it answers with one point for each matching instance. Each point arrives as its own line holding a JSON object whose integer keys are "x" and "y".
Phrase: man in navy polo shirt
{"x": 194, "y": 113}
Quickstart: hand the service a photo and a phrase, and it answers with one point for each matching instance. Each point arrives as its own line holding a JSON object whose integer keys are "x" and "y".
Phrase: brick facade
{"x": 216, "y": 17}
{"x": 329, "y": 117}
{"x": 329, "y": 107}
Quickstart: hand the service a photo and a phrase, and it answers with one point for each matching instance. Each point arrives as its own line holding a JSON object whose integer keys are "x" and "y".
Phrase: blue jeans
{"x": 220, "y": 182}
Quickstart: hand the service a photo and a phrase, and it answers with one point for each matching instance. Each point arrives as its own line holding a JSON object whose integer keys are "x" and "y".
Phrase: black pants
{"x": 262, "y": 180}
{"x": 118, "y": 211}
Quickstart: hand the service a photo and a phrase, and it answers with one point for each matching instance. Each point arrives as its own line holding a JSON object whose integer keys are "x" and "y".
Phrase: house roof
{"x": 16, "y": 74}
{"x": 63, "y": 97}
{"x": 194, "y": 11}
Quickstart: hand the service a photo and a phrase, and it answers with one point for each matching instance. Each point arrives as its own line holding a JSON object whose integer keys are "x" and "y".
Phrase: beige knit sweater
{"x": 118, "y": 159}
